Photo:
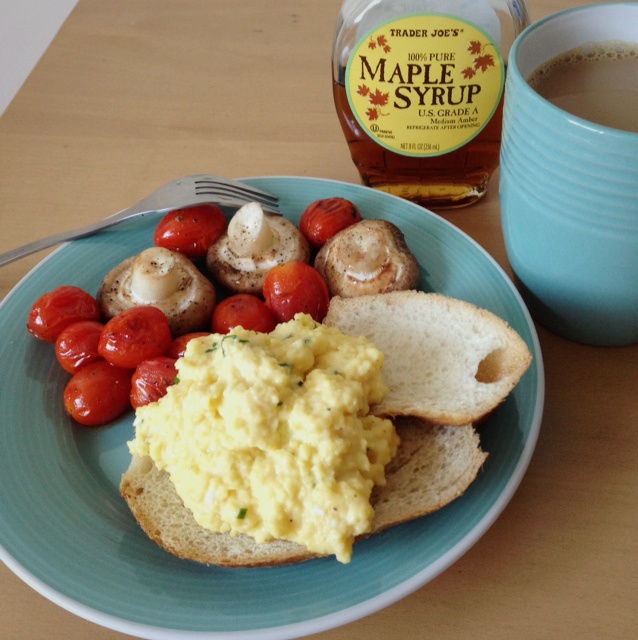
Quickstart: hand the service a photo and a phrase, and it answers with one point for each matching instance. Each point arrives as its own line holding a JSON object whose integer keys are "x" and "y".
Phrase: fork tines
{"x": 211, "y": 187}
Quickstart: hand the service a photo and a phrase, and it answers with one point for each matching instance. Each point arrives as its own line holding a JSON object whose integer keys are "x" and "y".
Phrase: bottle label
{"x": 424, "y": 85}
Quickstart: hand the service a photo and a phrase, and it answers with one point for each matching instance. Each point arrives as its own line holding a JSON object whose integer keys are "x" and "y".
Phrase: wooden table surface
{"x": 133, "y": 94}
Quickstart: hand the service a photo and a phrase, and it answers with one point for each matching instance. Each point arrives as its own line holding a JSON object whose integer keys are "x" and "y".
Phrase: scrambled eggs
{"x": 269, "y": 434}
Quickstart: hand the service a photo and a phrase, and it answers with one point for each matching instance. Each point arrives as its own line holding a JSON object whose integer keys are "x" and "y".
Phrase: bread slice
{"x": 446, "y": 361}
{"x": 434, "y": 465}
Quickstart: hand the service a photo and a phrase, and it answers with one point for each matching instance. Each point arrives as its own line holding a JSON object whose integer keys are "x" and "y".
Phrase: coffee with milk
{"x": 596, "y": 81}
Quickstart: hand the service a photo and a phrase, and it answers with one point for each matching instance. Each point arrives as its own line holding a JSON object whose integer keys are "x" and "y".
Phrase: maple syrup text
{"x": 420, "y": 84}
{"x": 434, "y": 96}
{"x": 407, "y": 74}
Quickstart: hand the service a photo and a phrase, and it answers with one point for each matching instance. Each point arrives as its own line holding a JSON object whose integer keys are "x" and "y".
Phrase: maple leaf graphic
{"x": 362, "y": 90}
{"x": 379, "y": 99}
{"x": 380, "y": 41}
{"x": 372, "y": 114}
{"x": 475, "y": 47}
{"x": 383, "y": 43}
{"x": 482, "y": 63}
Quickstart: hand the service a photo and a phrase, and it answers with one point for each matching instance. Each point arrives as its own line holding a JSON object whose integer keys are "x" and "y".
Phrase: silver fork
{"x": 182, "y": 193}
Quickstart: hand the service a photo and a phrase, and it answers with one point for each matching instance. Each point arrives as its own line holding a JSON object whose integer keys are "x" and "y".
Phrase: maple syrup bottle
{"x": 418, "y": 89}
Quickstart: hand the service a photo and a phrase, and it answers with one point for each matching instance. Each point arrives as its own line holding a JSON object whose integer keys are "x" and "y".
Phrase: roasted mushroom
{"x": 164, "y": 279}
{"x": 371, "y": 256}
{"x": 253, "y": 244}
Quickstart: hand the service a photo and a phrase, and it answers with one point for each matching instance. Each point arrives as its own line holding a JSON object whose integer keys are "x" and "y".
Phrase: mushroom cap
{"x": 368, "y": 257}
{"x": 164, "y": 279}
{"x": 242, "y": 267}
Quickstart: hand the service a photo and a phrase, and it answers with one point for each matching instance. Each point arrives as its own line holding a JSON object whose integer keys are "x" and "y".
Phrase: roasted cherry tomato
{"x": 323, "y": 219}
{"x": 192, "y": 230}
{"x": 243, "y": 310}
{"x": 151, "y": 380}
{"x": 76, "y": 346}
{"x": 98, "y": 393}
{"x": 296, "y": 287}
{"x": 135, "y": 335}
{"x": 178, "y": 346}
{"x": 59, "y": 308}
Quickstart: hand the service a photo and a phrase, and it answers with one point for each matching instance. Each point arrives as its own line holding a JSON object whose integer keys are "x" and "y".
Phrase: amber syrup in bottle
{"x": 418, "y": 89}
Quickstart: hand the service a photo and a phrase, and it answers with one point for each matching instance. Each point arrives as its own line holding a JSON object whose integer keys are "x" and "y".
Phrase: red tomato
{"x": 323, "y": 219}
{"x": 151, "y": 380}
{"x": 243, "y": 310}
{"x": 98, "y": 393}
{"x": 192, "y": 230}
{"x": 296, "y": 287}
{"x": 135, "y": 335}
{"x": 76, "y": 346}
{"x": 178, "y": 346}
{"x": 59, "y": 308}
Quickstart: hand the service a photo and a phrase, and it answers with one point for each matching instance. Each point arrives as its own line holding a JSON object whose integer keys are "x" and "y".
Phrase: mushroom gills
{"x": 253, "y": 244}
{"x": 164, "y": 279}
{"x": 368, "y": 257}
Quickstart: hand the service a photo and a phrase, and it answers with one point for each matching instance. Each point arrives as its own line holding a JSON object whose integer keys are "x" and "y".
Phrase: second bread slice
{"x": 446, "y": 360}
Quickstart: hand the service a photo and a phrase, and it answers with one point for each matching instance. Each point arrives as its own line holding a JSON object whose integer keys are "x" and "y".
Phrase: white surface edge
{"x": 27, "y": 28}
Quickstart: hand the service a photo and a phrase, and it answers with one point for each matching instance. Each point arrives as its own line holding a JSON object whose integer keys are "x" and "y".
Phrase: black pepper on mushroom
{"x": 164, "y": 279}
{"x": 253, "y": 244}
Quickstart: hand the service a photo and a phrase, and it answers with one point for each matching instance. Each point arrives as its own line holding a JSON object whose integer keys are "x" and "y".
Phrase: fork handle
{"x": 140, "y": 209}
{"x": 51, "y": 241}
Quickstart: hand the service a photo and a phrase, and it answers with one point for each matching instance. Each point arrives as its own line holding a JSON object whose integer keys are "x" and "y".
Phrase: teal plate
{"x": 67, "y": 533}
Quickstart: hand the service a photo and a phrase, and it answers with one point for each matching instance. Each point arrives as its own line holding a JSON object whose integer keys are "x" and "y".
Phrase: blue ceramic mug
{"x": 569, "y": 190}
